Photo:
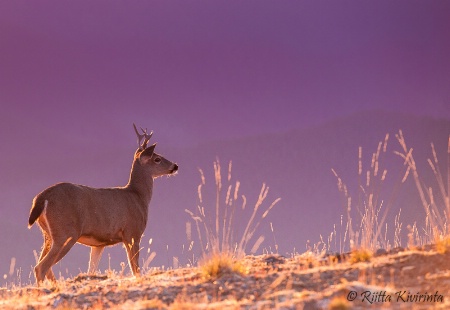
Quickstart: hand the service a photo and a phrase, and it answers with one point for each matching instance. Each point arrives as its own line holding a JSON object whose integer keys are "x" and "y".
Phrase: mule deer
{"x": 97, "y": 217}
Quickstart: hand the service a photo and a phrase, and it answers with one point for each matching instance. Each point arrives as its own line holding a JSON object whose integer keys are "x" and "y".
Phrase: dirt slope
{"x": 413, "y": 279}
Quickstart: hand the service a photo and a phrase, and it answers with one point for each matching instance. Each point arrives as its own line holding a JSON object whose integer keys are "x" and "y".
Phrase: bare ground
{"x": 412, "y": 279}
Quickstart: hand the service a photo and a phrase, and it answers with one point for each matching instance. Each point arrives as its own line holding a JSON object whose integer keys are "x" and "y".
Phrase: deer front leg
{"x": 94, "y": 259}
{"x": 133, "y": 255}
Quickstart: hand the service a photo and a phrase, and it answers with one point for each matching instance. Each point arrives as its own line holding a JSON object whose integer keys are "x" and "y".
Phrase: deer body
{"x": 97, "y": 217}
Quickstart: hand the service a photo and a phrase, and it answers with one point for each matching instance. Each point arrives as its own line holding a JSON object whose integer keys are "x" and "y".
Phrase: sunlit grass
{"x": 365, "y": 234}
{"x": 216, "y": 224}
{"x": 443, "y": 245}
{"x": 366, "y": 230}
{"x": 360, "y": 255}
{"x": 339, "y": 303}
{"x": 435, "y": 202}
{"x": 220, "y": 264}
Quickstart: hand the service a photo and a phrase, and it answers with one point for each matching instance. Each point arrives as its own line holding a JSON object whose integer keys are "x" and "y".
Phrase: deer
{"x": 68, "y": 213}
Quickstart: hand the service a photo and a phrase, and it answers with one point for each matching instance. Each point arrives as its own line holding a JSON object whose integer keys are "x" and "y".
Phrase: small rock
{"x": 274, "y": 260}
{"x": 380, "y": 252}
{"x": 396, "y": 250}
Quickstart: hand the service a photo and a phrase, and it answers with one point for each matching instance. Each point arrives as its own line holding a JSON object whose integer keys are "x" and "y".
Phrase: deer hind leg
{"x": 42, "y": 222}
{"x": 45, "y": 249}
{"x": 132, "y": 247}
{"x": 58, "y": 249}
{"x": 96, "y": 254}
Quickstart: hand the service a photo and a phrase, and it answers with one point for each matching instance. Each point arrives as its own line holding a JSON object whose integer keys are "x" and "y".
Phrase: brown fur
{"x": 97, "y": 217}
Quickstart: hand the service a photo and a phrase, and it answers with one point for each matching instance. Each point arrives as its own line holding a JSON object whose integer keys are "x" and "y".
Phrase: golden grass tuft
{"x": 443, "y": 245}
{"x": 152, "y": 304}
{"x": 360, "y": 255}
{"x": 339, "y": 303}
{"x": 220, "y": 264}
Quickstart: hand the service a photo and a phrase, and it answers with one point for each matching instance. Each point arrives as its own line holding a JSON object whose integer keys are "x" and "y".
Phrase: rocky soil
{"x": 399, "y": 279}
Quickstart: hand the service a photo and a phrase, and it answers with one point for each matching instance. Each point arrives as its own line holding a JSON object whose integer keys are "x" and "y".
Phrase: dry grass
{"x": 360, "y": 255}
{"x": 443, "y": 245}
{"x": 436, "y": 203}
{"x": 371, "y": 209}
{"x": 339, "y": 303}
{"x": 216, "y": 231}
{"x": 270, "y": 282}
{"x": 218, "y": 265}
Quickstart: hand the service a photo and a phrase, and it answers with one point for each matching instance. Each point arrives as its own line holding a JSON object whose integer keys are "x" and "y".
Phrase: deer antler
{"x": 144, "y": 136}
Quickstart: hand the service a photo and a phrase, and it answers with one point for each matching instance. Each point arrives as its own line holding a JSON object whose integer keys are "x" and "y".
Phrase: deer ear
{"x": 148, "y": 151}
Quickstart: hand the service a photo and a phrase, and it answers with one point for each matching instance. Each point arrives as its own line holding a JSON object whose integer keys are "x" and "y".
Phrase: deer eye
{"x": 157, "y": 160}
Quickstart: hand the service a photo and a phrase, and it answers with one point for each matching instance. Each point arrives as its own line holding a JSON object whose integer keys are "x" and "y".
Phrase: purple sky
{"x": 195, "y": 70}
{"x": 74, "y": 76}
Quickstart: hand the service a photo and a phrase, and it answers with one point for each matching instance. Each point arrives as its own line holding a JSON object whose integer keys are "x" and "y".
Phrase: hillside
{"x": 399, "y": 279}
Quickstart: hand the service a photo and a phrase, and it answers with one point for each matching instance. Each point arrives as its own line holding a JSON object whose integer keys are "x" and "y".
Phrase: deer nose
{"x": 175, "y": 168}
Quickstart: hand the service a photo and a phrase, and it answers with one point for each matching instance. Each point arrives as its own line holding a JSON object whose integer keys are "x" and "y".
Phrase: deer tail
{"x": 37, "y": 208}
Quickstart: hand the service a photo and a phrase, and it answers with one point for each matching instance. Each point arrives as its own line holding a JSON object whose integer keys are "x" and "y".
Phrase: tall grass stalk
{"x": 370, "y": 207}
{"x": 217, "y": 232}
{"x": 437, "y": 217}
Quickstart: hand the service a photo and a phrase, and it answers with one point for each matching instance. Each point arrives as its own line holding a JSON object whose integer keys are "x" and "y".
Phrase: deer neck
{"x": 140, "y": 183}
